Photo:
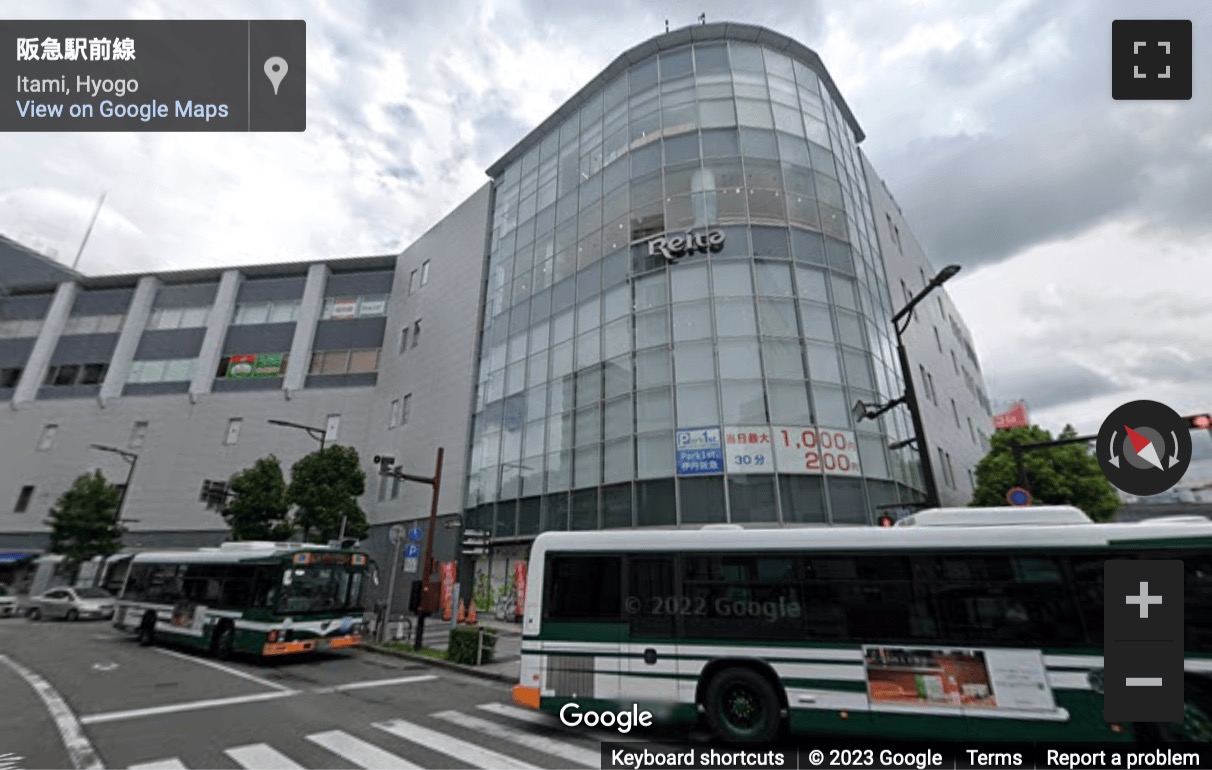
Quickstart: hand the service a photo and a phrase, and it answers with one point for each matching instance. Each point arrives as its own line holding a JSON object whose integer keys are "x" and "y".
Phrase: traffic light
{"x": 475, "y": 542}
{"x": 1200, "y": 421}
{"x": 887, "y": 521}
{"x": 385, "y": 462}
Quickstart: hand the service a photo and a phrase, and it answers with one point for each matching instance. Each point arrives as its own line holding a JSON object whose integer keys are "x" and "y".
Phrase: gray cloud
{"x": 1055, "y": 384}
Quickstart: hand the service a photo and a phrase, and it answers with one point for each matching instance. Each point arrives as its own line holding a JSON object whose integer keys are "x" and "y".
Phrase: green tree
{"x": 1063, "y": 475}
{"x": 259, "y": 510}
{"x": 325, "y": 486}
{"x": 84, "y": 520}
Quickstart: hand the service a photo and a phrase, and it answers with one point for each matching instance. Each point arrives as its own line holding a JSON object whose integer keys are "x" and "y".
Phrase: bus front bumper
{"x": 310, "y": 645}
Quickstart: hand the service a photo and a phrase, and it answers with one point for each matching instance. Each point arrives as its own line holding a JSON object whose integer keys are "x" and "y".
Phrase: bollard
{"x": 480, "y": 647}
{"x": 454, "y": 602}
{"x": 400, "y": 628}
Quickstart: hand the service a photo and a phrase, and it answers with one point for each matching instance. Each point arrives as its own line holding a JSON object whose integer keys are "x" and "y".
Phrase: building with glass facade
{"x": 630, "y": 376}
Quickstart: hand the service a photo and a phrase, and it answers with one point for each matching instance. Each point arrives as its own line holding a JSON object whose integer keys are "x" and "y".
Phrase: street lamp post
{"x": 909, "y": 399}
{"x": 319, "y": 434}
{"x": 131, "y": 458}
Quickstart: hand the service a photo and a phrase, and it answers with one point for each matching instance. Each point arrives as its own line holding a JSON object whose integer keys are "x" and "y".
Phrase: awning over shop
{"x": 9, "y": 557}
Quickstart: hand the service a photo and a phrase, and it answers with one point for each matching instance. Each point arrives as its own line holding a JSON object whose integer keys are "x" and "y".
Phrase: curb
{"x": 469, "y": 670}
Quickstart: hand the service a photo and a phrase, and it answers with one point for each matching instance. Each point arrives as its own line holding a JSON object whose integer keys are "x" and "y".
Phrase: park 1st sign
{"x": 674, "y": 247}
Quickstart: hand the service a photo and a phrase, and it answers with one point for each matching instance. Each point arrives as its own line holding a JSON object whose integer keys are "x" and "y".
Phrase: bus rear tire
{"x": 742, "y": 707}
{"x": 147, "y": 630}
{"x": 224, "y": 641}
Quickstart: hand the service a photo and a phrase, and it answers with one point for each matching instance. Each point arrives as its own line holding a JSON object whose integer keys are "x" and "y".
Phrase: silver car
{"x": 8, "y": 602}
{"x": 72, "y": 604}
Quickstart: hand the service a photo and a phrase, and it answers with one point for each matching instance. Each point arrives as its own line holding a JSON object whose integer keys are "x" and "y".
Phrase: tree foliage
{"x": 84, "y": 520}
{"x": 1064, "y": 475}
{"x": 259, "y": 510}
{"x": 325, "y": 486}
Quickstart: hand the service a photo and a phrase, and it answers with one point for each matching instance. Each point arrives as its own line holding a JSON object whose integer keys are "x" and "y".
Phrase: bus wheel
{"x": 147, "y": 629}
{"x": 225, "y": 638}
{"x": 742, "y": 706}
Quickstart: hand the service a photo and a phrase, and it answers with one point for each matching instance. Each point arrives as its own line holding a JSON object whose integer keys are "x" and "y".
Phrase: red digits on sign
{"x": 814, "y": 461}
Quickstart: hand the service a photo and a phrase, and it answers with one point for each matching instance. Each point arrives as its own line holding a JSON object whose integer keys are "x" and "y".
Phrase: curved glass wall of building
{"x": 595, "y": 355}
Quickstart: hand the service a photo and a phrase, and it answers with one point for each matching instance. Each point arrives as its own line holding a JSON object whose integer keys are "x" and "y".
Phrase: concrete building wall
{"x": 946, "y": 372}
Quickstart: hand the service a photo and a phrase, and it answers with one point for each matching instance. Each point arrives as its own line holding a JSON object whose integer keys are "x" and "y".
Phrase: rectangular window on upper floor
{"x": 93, "y": 324}
{"x": 403, "y": 340}
{"x": 364, "y": 361}
{"x": 75, "y": 374}
{"x": 47, "y": 439}
{"x": 405, "y": 409}
{"x": 425, "y": 272}
{"x": 344, "y": 308}
{"x": 10, "y": 376}
{"x": 15, "y": 328}
{"x": 178, "y": 317}
{"x": 27, "y": 494}
{"x": 138, "y": 433}
{"x": 280, "y": 312}
{"x": 416, "y": 332}
{"x": 413, "y": 281}
{"x": 171, "y": 370}
{"x": 395, "y": 413}
{"x": 252, "y": 366}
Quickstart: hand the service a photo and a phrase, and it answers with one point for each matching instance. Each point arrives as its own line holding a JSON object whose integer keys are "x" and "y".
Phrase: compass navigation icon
{"x": 1144, "y": 448}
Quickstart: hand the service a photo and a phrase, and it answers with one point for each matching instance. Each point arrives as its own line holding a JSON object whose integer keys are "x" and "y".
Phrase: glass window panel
{"x": 823, "y": 365}
{"x": 746, "y": 57}
{"x": 739, "y": 358}
{"x": 562, "y": 327}
{"x": 816, "y": 131}
{"x": 807, "y": 247}
{"x": 850, "y": 329}
{"x": 844, "y": 292}
{"x": 588, "y": 468}
{"x": 537, "y": 369}
{"x": 135, "y": 372}
{"x": 832, "y": 411}
{"x": 617, "y": 376}
{"x": 758, "y": 144}
{"x": 744, "y": 402}
{"x": 561, "y": 360}
{"x": 246, "y": 314}
{"x": 717, "y": 113}
{"x": 682, "y": 149}
{"x": 536, "y": 432}
{"x": 788, "y": 122}
{"x": 753, "y": 113}
{"x": 336, "y": 362}
{"x": 822, "y": 158}
{"x": 616, "y": 338}
{"x": 363, "y": 361}
{"x": 589, "y": 315}
{"x": 789, "y": 403}
{"x": 654, "y": 455}
{"x": 619, "y": 462}
{"x": 693, "y": 362}
{"x": 588, "y": 426}
{"x": 559, "y": 432}
{"x": 710, "y": 58}
{"x": 702, "y": 500}
{"x": 651, "y": 292}
{"x": 559, "y": 474}
{"x": 847, "y": 503}
{"x": 171, "y": 317}
{"x": 736, "y": 317}
{"x": 676, "y": 64}
{"x": 178, "y": 371}
{"x": 589, "y": 349}
{"x": 767, "y": 206}
{"x": 619, "y": 419}
{"x": 751, "y": 498}
{"x": 731, "y": 279}
{"x": 517, "y": 348}
{"x": 194, "y": 317}
{"x": 810, "y": 284}
{"x": 721, "y": 143}
{"x": 872, "y": 456}
{"x": 589, "y": 386}
{"x": 679, "y": 181}
{"x": 802, "y": 499}
{"x": 645, "y": 160}
{"x": 818, "y": 321}
{"x": 153, "y": 371}
{"x": 651, "y": 328}
{"x": 652, "y": 367}
{"x": 680, "y": 213}
{"x": 616, "y": 302}
{"x": 858, "y": 370}
{"x": 773, "y": 278}
{"x": 839, "y": 255}
{"x": 696, "y": 405}
{"x": 643, "y": 76}
{"x": 654, "y": 409}
{"x": 778, "y": 318}
{"x": 655, "y": 503}
{"x": 783, "y": 359}
{"x": 515, "y": 378}
{"x": 691, "y": 321}
{"x": 689, "y": 282}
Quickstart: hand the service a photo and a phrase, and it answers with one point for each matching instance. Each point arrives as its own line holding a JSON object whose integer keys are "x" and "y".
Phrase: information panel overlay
{"x": 153, "y": 75}
{"x": 815, "y": 450}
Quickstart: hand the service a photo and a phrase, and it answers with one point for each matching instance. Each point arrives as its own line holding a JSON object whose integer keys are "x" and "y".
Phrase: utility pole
{"x": 89, "y": 231}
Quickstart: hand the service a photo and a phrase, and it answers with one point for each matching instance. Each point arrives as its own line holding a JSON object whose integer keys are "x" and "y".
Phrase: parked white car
{"x": 73, "y": 604}
{"x": 8, "y": 602}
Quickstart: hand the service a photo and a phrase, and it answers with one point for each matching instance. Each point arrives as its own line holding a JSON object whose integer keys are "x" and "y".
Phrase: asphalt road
{"x": 81, "y": 695}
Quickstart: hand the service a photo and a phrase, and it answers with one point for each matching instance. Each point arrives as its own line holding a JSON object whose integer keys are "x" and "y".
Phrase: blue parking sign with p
{"x": 411, "y": 551}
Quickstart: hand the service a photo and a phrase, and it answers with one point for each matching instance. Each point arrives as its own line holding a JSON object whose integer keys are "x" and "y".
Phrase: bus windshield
{"x": 328, "y": 588}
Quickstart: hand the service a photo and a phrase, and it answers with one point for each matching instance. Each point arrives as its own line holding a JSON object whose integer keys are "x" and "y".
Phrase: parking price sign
{"x": 700, "y": 451}
{"x": 748, "y": 449}
{"x": 815, "y": 450}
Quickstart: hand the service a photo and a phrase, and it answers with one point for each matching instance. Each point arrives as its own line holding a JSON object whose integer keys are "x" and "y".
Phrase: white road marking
{"x": 10, "y": 761}
{"x": 359, "y": 752}
{"x": 513, "y": 712}
{"x": 173, "y": 708}
{"x": 561, "y": 749}
{"x": 163, "y": 764}
{"x": 79, "y": 748}
{"x": 450, "y": 745}
{"x": 262, "y": 756}
{"x": 225, "y": 669}
{"x": 376, "y": 683}
{"x": 104, "y": 666}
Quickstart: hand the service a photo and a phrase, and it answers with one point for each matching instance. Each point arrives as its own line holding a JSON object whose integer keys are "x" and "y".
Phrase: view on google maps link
{"x": 638, "y": 385}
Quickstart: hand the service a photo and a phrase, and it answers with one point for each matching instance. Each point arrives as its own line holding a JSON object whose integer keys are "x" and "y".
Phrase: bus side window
{"x": 584, "y": 587}
{"x": 651, "y": 599}
{"x": 1088, "y": 584}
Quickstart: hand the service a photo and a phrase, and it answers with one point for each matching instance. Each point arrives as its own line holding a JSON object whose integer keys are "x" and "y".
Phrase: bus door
{"x": 653, "y": 606}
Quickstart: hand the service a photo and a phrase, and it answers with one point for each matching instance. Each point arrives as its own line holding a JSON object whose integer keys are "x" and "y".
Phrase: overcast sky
{"x": 1083, "y": 224}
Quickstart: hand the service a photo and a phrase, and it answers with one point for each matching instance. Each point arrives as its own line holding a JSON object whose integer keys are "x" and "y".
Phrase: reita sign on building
{"x": 674, "y": 247}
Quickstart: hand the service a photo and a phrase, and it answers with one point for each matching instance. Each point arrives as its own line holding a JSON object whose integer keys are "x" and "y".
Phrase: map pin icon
{"x": 275, "y": 70}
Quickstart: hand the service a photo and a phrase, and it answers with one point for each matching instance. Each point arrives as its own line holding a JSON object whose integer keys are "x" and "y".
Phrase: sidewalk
{"x": 506, "y": 662}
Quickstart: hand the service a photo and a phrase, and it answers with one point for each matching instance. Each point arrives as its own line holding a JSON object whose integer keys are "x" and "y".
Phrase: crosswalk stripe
{"x": 561, "y": 749}
{"x": 513, "y": 712}
{"x": 163, "y": 764}
{"x": 452, "y": 746}
{"x": 359, "y": 752}
{"x": 262, "y": 756}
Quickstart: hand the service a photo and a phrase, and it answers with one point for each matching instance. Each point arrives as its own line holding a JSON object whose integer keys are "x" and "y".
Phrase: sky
{"x": 1082, "y": 223}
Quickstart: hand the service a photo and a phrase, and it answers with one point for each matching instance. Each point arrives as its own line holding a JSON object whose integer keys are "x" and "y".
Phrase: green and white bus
{"x": 940, "y": 627}
{"x": 254, "y": 598}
